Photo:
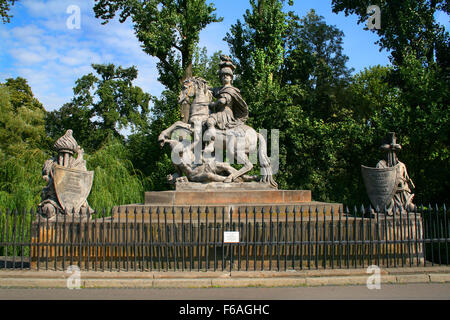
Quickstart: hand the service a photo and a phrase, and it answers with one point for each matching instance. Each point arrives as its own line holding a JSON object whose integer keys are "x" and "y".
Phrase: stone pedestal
{"x": 227, "y": 197}
{"x": 229, "y": 203}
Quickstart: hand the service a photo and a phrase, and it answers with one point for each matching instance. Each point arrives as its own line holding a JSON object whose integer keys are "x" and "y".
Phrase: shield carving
{"x": 380, "y": 184}
{"x": 72, "y": 187}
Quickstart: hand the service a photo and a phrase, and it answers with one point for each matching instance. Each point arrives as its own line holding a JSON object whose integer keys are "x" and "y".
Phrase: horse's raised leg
{"x": 166, "y": 133}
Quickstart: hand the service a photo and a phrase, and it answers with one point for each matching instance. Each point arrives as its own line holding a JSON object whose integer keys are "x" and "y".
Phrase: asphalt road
{"x": 424, "y": 291}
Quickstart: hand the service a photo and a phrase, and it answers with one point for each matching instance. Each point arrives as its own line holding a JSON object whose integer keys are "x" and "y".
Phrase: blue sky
{"x": 38, "y": 46}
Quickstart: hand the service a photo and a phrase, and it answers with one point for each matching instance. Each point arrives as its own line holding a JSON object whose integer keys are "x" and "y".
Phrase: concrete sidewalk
{"x": 195, "y": 279}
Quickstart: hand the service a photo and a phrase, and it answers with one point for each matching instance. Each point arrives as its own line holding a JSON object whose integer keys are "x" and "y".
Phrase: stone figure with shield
{"x": 212, "y": 127}
{"x": 389, "y": 185}
{"x": 68, "y": 181}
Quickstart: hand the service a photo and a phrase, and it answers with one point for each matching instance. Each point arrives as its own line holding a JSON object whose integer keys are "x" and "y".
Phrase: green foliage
{"x": 168, "y": 30}
{"x": 5, "y": 6}
{"x": 207, "y": 67}
{"x": 23, "y": 145}
{"x": 101, "y": 107}
{"x": 21, "y": 233}
{"x": 21, "y": 179}
{"x": 21, "y": 118}
{"x": 316, "y": 62}
{"x": 115, "y": 180}
{"x": 259, "y": 43}
{"x": 422, "y": 118}
{"x": 369, "y": 92}
{"x": 24, "y": 148}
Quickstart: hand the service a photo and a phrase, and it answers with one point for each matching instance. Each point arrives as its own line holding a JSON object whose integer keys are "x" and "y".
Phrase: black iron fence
{"x": 151, "y": 238}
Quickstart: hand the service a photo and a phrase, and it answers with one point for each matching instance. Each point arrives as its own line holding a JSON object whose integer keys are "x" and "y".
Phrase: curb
{"x": 308, "y": 278}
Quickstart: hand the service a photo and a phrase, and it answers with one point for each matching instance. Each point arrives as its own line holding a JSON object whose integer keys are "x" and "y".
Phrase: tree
{"x": 369, "y": 93}
{"x": 168, "y": 30}
{"x": 115, "y": 179}
{"x": 206, "y": 66}
{"x": 77, "y": 118}
{"x": 316, "y": 59}
{"x": 258, "y": 45}
{"x": 23, "y": 145}
{"x": 422, "y": 120}
{"x": 103, "y": 104}
{"x": 4, "y": 8}
{"x": 21, "y": 118}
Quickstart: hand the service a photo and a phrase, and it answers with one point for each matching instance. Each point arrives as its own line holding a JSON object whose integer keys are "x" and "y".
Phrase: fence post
{"x": 446, "y": 233}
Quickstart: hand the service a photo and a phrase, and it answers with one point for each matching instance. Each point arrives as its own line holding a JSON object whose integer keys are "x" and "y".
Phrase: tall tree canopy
{"x": 23, "y": 144}
{"x": 168, "y": 30}
{"x": 21, "y": 118}
{"x": 102, "y": 105}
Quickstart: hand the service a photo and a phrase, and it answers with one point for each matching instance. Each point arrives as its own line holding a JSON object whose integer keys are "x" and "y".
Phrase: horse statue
{"x": 238, "y": 142}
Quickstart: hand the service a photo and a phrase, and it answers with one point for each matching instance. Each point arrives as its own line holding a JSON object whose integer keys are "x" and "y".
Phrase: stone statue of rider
{"x": 230, "y": 109}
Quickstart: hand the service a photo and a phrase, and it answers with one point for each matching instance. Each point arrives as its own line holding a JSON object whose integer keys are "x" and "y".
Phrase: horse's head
{"x": 187, "y": 91}
{"x": 194, "y": 87}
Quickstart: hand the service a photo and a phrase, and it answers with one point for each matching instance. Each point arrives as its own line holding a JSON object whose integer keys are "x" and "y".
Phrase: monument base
{"x": 231, "y": 203}
{"x": 227, "y": 197}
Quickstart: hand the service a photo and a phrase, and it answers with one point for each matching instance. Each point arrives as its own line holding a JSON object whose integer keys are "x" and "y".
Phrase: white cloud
{"x": 52, "y": 57}
{"x": 26, "y": 57}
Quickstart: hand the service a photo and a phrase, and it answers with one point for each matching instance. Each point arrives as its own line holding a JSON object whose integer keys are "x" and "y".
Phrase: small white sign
{"x": 231, "y": 237}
